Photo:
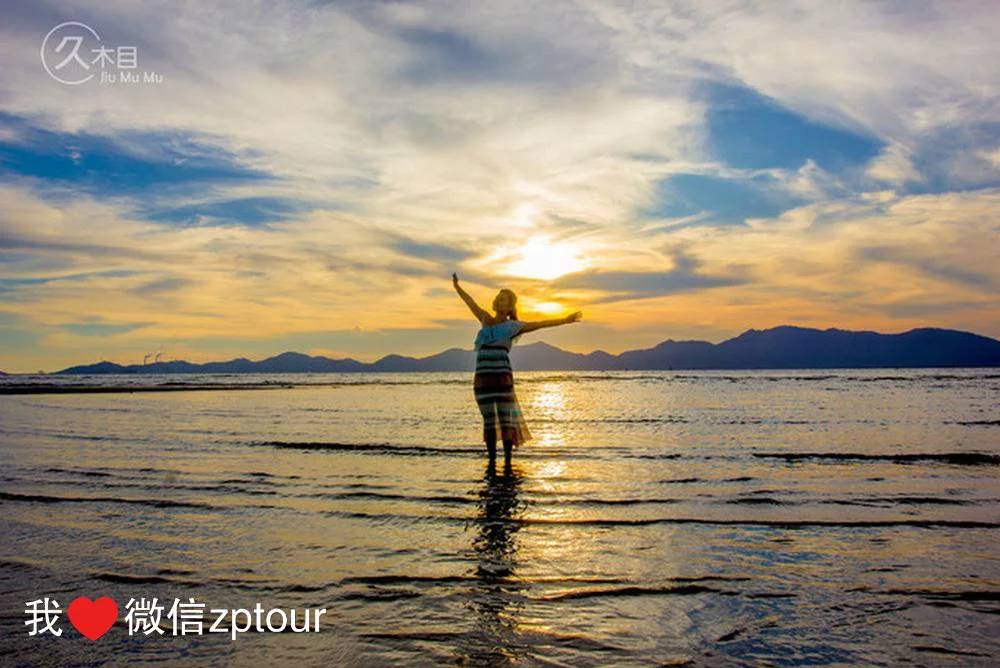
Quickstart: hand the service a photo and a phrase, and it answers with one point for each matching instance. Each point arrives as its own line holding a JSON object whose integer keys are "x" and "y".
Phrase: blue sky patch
{"x": 721, "y": 200}
{"x": 249, "y": 211}
{"x": 129, "y": 164}
{"x": 750, "y": 131}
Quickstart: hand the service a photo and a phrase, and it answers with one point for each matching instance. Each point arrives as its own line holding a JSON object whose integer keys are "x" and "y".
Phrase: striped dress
{"x": 494, "y": 384}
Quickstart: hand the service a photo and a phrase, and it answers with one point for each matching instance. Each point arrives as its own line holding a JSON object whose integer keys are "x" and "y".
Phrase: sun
{"x": 545, "y": 259}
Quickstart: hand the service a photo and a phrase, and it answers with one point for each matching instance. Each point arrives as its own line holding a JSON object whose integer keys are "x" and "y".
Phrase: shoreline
{"x": 13, "y": 390}
{"x": 94, "y": 384}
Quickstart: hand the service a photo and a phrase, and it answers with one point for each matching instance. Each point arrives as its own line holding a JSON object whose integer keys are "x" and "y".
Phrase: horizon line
{"x": 348, "y": 359}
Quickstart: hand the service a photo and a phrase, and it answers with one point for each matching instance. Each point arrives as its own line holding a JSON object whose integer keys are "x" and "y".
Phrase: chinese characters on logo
{"x": 73, "y": 53}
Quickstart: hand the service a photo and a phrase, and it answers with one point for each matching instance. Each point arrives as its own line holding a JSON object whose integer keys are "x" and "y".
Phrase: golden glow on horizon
{"x": 544, "y": 259}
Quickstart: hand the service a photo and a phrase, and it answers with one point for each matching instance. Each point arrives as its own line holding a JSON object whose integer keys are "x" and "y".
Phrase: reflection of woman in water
{"x": 496, "y": 595}
{"x": 494, "y": 381}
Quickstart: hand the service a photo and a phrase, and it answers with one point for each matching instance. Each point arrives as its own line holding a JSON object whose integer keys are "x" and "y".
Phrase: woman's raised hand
{"x": 574, "y": 317}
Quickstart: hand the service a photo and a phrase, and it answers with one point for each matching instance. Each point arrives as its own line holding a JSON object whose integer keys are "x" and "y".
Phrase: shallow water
{"x": 833, "y": 517}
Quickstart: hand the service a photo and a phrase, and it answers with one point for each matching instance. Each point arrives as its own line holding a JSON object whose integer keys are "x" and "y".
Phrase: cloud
{"x": 723, "y": 200}
{"x": 102, "y": 329}
{"x": 254, "y": 211}
{"x": 859, "y": 261}
{"x": 929, "y": 265}
{"x": 894, "y": 166}
{"x": 161, "y": 286}
{"x": 684, "y": 276}
{"x": 428, "y": 250}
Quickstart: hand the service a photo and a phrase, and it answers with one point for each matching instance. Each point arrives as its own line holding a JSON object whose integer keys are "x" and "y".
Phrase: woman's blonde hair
{"x": 512, "y": 313}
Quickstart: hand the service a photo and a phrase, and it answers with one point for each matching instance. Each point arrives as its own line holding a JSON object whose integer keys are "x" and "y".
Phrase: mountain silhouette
{"x": 784, "y": 347}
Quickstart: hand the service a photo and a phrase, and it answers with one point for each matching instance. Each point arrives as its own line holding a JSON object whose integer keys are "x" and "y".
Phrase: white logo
{"x": 73, "y": 53}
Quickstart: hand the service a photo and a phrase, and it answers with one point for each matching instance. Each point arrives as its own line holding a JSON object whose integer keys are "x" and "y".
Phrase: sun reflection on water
{"x": 549, "y": 413}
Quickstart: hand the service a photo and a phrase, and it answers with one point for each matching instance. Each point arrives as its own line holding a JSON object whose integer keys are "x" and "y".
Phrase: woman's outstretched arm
{"x": 541, "y": 324}
{"x": 477, "y": 310}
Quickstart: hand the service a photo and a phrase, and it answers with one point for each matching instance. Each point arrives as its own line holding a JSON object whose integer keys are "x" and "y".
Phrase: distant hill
{"x": 783, "y": 347}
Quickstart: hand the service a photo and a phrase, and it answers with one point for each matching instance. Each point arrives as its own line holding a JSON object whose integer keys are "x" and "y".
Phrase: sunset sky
{"x": 307, "y": 175}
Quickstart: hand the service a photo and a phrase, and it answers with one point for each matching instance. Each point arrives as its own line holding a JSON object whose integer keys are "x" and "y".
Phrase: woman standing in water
{"x": 494, "y": 380}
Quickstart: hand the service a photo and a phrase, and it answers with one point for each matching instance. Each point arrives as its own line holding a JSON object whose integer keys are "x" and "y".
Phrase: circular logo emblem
{"x": 66, "y": 52}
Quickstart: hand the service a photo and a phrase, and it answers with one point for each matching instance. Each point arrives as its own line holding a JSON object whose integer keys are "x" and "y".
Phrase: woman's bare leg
{"x": 508, "y": 450}
{"x": 491, "y": 447}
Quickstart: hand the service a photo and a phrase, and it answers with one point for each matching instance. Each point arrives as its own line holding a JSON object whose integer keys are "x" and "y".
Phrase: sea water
{"x": 758, "y": 517}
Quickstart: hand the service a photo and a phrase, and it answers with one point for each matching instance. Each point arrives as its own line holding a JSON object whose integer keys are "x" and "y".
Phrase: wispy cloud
{"x": 98, "y": 327}
{"x": 683, "y": 276}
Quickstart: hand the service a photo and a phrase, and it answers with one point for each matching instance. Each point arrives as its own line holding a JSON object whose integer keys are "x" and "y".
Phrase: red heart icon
{"x": 92, "y": 618}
